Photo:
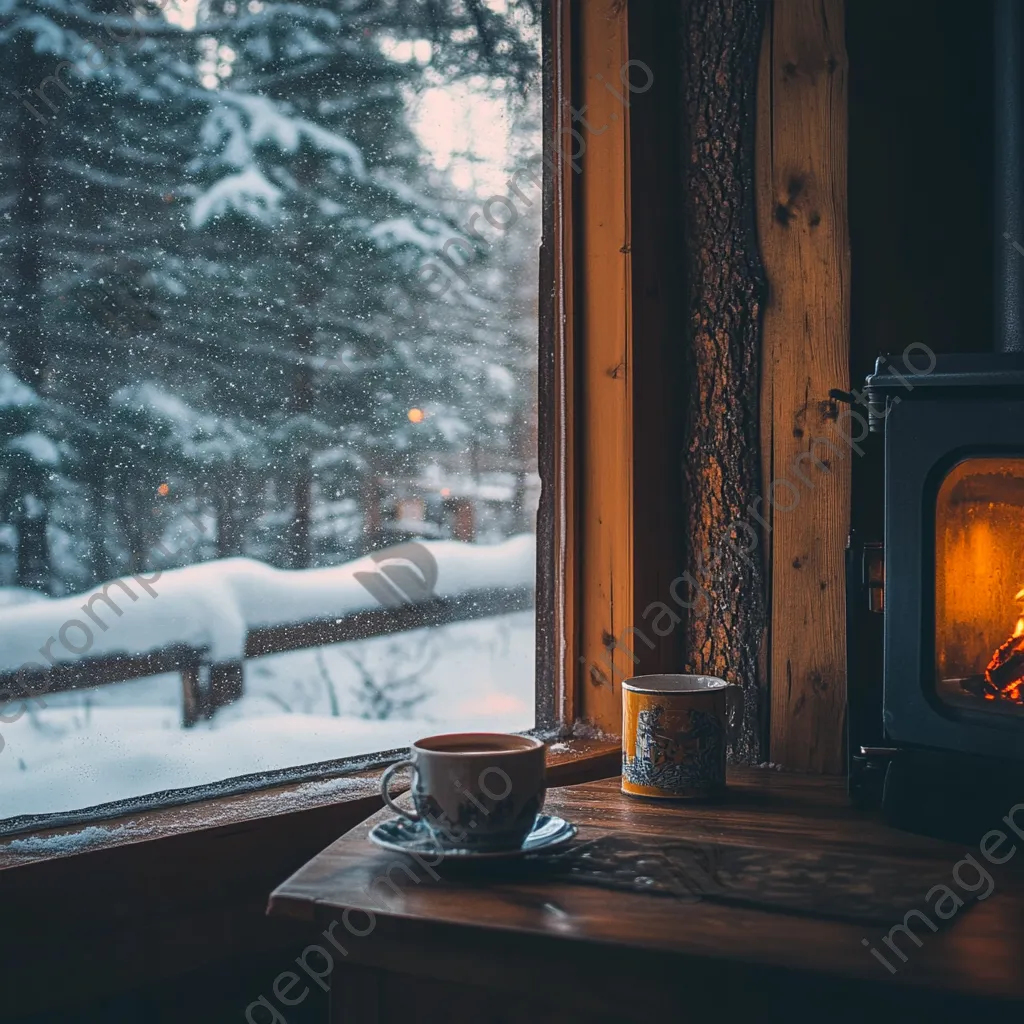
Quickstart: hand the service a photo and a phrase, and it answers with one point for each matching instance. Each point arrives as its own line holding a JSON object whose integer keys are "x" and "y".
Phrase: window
{"x": 268, "y": 388}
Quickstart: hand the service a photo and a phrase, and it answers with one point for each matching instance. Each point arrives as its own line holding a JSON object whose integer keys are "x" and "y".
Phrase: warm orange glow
{"x": 163, "y": 490}
{"x": 445, "y": 491}
{"x": 979, "y": 555}
{"x": 415, "y": 415}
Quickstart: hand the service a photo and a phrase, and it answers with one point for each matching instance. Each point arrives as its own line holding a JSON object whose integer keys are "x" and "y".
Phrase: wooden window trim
{"x": 601, "y": 347}
{"x": 586, "y": 252}
{"x": 612, "y": 459}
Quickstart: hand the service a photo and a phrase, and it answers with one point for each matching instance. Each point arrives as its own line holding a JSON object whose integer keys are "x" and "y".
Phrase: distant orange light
{"x": 445, "y": 491}
{"x": 163, "y": 490}
{"x": 415, "y": 415}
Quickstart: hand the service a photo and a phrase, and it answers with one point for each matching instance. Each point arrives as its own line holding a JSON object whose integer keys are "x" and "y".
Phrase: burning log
{"x": 977, "y": 686}
{"x": 1005, "y": 672}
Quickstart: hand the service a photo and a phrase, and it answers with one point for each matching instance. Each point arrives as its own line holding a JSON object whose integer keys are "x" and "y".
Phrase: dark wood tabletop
{"x": 807, "y": 878}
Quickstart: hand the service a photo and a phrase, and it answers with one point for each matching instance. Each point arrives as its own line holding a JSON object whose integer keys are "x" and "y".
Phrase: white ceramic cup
{"x": 474, "y": 790}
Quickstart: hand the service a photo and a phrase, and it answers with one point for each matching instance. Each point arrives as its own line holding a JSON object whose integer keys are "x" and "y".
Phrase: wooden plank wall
{"x": 802, "y": 223}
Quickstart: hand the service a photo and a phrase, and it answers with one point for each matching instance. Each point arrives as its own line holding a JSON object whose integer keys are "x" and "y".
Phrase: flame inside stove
{"x": 1004, "y": 674}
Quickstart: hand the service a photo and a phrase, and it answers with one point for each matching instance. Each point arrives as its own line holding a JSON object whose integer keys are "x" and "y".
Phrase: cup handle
{"x": 385, "y": 782}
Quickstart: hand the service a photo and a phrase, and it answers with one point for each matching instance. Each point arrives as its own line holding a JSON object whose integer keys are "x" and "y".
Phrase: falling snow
{"x": 250, "y": 336}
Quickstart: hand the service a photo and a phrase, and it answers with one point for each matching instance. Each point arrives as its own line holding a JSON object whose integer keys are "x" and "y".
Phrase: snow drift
{"x": 212, "y": 606}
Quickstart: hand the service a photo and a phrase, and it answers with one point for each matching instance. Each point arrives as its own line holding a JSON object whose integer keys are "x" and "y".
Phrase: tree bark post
{"x": 724, "y": 292}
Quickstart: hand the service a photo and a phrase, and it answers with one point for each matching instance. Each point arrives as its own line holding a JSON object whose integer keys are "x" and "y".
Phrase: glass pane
{"x": 979, "y": 585}
{"x": 268, "y": 473}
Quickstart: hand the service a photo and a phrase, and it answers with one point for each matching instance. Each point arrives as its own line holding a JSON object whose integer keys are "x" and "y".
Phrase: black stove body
{"x": 935, "y": 600}
{"x": 943, "y": 737}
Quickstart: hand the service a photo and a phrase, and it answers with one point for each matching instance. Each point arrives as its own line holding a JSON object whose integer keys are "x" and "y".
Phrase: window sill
{"x": 164, "y": 892}
{"x": 354, "y": 795}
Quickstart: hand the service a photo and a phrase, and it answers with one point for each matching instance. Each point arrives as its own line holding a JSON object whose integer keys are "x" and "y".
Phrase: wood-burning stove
{"x": 954, "y": 553}
{"x": 936, "y": 601}
{"x": 948, "y": 584}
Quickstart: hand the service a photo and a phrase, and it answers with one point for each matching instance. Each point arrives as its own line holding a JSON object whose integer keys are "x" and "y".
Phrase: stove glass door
{"x": 979, "y": 585}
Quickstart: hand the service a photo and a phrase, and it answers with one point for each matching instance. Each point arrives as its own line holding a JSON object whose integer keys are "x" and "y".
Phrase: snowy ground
{"x": 126, "y": 740}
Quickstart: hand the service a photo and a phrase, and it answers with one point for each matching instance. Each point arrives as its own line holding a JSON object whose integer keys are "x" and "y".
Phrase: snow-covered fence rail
{"x": 203, "y": 620}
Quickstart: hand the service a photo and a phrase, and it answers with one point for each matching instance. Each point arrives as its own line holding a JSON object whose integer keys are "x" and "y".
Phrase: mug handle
{"x": 385, "y": 782}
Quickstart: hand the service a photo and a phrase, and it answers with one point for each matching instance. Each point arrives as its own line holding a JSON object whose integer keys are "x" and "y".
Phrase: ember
{"x": 1004, "y": 674}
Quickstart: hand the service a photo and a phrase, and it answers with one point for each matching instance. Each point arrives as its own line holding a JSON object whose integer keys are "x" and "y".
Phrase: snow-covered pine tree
{"x": 231, "y": 215}
{"x": 313, "y": 175}
{"x": 100, "y": 116}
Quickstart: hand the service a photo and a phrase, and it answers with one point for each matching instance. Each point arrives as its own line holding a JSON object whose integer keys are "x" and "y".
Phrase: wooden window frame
{"x": 610, "y": 446}
{"x": 599, "y": 563}
{"x": 592, "y": 479}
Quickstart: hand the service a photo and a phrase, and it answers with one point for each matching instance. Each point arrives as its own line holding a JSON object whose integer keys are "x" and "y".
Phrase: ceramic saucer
{"x": 404, "y": 836}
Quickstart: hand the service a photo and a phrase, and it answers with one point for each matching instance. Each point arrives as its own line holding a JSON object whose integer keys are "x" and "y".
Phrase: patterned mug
{"x": 674, "y": 735}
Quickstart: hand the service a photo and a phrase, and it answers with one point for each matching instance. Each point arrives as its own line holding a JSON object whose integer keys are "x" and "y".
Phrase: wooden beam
{"x": 603, "y": 358}
{"x": 374, "y": 622}
{"x": 802, "y": 220}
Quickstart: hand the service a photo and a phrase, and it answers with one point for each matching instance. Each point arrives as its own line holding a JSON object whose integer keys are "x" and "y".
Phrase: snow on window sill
{"x": 569, "y": 762}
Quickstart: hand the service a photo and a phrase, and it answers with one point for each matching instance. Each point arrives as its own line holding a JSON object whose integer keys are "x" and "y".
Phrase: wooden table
{"x": 483, "y": 948}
